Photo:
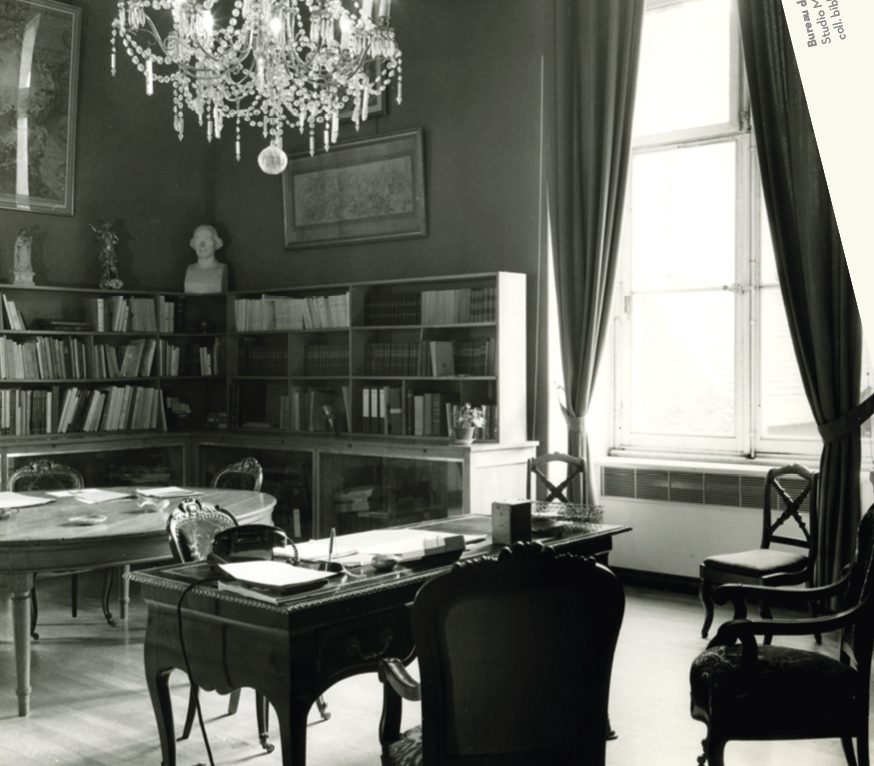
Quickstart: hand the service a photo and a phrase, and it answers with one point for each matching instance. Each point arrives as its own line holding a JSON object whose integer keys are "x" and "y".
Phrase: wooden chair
{"x": 191, "y": 529}
{"x": 766, "y": 565}
{"x": 246, "y": 474}
{"x": 515, "y": 655}
{"x": 42, "y": 475}
{"x": 742, "y": 690}
{"x": 539, "y": 467}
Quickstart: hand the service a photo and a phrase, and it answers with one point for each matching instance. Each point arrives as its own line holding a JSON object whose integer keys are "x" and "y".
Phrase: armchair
{"x": 742, "y": 690}
{"x": 527, "y": 636}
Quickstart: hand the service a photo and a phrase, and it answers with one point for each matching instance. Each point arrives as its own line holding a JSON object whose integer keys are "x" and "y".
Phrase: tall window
{"x": 704, "y": 361}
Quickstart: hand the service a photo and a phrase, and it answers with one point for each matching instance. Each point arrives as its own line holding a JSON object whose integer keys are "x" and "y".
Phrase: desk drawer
{"x": 357, "y": 644}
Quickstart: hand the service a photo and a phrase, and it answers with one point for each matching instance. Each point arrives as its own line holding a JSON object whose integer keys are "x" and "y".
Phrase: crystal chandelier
{"x": 266, "y": 63}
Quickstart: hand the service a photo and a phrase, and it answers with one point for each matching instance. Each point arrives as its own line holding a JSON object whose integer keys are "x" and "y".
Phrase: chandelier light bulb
{"x": 269, "y": 64}
{"x": 272, "y": 160}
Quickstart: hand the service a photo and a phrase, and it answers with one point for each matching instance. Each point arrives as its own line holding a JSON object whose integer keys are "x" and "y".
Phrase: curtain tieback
{"x": 575, "y": 423}
{"x": 845, "y": 424}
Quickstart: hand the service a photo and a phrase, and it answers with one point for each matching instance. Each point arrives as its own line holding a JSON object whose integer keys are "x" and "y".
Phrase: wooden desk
{"x": 294, "y": 652}
{"x": 41, "y": 539}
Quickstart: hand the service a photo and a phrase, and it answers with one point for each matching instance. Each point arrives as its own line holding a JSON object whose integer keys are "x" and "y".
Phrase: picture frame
{"x": 39, "y": 72}
{"x": 361, "y": 191}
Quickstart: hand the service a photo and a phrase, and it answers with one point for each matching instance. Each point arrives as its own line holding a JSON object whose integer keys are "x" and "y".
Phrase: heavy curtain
{"x": 814, "y": 280}
{"x": 589, "y": 103}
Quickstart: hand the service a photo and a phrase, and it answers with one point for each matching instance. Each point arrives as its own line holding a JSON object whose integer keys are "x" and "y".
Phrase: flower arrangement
{"x": 470, "y": 417}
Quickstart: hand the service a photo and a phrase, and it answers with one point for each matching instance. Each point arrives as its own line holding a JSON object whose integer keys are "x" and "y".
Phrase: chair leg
{"x": 262, "y": 713}
{"x": 107, "y": 592}
{"x": 765, "y": 612}
{"x": 862, "y": 748}
{"x": 234, "y": 701}
{"x": 323, "y": 708}
{"x": 74, "y": 595}
{"x": 34, "y": 611}
{"x": 713, "y": 752}
{"x": 849, "y": 752}
{"x": 707, "y": 601}
{"x": 189, "y": 715}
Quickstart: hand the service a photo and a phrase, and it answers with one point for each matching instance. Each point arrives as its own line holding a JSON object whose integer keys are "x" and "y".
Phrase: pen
{"x": 331, "y": 547}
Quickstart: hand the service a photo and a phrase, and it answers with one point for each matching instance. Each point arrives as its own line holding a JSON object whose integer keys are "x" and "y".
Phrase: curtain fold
{"x": 817, "y": 293}
{"x": 589, "y": 111}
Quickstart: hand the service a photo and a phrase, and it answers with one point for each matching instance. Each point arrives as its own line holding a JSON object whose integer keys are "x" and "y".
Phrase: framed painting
{"x": 361, "y": 191}
{"x": 39, "y": 66}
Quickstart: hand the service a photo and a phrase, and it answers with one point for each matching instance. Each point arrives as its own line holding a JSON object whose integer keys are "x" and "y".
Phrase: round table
{"x": 43, "y": 538}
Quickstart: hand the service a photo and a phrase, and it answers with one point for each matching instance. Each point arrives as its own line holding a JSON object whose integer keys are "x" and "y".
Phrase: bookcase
{"x": 344, "y": 392}
{"x": 75, "y": 360}
{"x": 386, "y": 359}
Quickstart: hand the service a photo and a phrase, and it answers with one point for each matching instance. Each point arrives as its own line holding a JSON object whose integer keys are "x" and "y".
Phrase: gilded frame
{"x": 39, "y": 72}
{"x": 361, "y": 191}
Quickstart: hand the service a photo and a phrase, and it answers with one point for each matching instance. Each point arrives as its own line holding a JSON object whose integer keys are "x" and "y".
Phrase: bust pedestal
{"x": 23, "y": 277}
{"x": 200, "y": 281}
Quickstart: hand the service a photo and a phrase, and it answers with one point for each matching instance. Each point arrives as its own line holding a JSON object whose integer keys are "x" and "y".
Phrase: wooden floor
{"x": 90, "y": 704}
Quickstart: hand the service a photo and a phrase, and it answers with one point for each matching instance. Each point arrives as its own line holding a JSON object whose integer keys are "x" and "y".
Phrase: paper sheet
{"x": 273, "y": 574}
{"x": 90, "y": 495}
{"x": 166, "y": 492}
{"x": 17, "y": 500}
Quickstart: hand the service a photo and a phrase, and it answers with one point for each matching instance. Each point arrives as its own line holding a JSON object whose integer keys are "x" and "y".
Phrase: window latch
{"x": 736, "y": 288}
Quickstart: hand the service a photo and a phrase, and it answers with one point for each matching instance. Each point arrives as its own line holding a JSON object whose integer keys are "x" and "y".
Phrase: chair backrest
{"x": 246, "y": 474}
{"x": 515, "y": 656}
{"x": 857, "y": 641}
{"x": 45, "y": 474}
{"x": 192, "y": 527}
{"x": 539, "y": 466}
{"x": 787, "y": 489}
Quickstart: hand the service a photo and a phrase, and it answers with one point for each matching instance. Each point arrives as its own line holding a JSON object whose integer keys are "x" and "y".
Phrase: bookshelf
{"x": 381, "y": 359}
{"x": 323, "y": 384}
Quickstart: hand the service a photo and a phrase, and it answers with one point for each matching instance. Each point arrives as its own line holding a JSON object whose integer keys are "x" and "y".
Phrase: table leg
{"x": 158, "y": 681}
{"x": 21, "y": 637}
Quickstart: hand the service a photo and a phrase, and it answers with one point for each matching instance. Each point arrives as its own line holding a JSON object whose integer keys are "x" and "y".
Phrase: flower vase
{"x": 463, "y": 435}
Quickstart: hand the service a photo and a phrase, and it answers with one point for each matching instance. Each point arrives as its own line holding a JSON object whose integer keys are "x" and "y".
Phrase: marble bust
{"x": 207, "y": 274}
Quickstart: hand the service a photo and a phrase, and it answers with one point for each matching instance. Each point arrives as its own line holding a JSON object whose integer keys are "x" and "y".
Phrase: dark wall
{"x": 130, "y": 170}
{"x": 472, "y": 82}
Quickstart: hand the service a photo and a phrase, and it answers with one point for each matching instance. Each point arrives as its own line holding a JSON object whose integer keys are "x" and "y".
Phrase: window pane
{"x": 683, "y": 217}
{"x": 684, "y": 77}
{"x": 683, "y": 364}
{"x": 785, "y": 411}
{"x": 768, "y": 267}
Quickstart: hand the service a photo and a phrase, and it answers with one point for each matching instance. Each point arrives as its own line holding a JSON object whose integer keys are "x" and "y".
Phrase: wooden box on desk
{"x": 511, "y": 521}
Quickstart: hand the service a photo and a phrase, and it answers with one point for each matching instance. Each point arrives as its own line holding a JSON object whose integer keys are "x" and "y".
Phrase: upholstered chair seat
{"x": 781, "y": 696}
{"x": 407, "y": 751}
{"x": 758, "y": 562}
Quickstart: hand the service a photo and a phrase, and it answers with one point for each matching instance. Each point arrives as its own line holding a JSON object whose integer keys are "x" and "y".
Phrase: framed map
{"x": 39, "y": 65}
{"x": 357, "y": 192}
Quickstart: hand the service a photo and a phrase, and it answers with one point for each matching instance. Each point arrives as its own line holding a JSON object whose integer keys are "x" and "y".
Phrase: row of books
{"x": 121, "y": 313}
{"x": 263, "y": 360}
{"x": 115, "y": 408}
{"x": 52, "y": 358}
{"x": 278, "y": 312}
{"x": 434, "y": 358}
{"x": 388, "y": 410}
{"x": 465, "y": 304}
{"x": 315, "y": 410}
{"x": 198, "y": 359}
{"x": 166, "y": 314}
{"x": 24, "y": 412}
{"x": 392, "y": 308}
{"x": 326, "y": 359}
{"x": 13, "y": 316}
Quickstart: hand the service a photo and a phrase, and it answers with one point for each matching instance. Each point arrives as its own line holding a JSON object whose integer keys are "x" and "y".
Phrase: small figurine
{"x": 108, "y": 258}
{"x": 22, "y": 271}
{"x": 206, "y": 275}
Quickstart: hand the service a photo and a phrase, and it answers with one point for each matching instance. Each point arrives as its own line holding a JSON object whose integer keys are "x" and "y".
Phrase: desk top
{"x": 44, "y": 537}
{"x": 164, "y": 584}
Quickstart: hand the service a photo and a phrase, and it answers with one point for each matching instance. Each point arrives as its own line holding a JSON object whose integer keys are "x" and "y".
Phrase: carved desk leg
{"x": 292, "y": 717}
{"x": 158, "y": 681}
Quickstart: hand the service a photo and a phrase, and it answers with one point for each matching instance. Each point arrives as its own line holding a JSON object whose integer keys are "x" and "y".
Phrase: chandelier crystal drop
{"x": 265, "y": 63}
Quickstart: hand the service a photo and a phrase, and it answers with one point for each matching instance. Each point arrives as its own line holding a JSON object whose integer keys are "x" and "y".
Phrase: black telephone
{"x": 251, "y": 541}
